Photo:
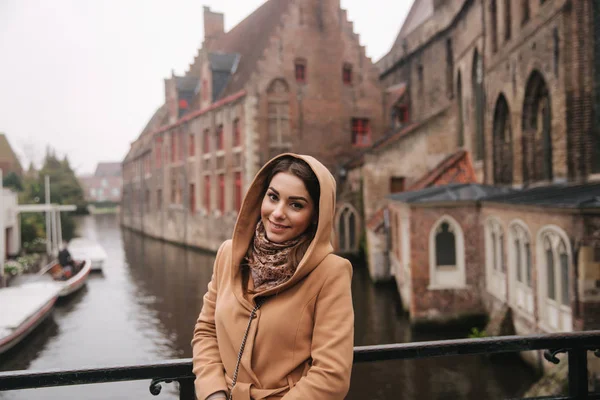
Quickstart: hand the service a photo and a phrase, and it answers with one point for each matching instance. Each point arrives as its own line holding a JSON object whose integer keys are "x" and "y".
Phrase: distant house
{"x": 8, "y": 159}
{"x": 105, "y": 185}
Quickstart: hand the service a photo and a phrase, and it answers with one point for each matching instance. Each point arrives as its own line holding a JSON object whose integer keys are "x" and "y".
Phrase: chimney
{"x": 214, "y": 24}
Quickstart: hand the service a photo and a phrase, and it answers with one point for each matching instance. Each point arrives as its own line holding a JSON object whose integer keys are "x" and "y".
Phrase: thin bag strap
{"x": 259, "y": 303}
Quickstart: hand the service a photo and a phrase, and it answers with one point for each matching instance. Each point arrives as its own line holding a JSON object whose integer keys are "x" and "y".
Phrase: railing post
{"x": 186, "y": 389}
{"x": 578, "y": 374}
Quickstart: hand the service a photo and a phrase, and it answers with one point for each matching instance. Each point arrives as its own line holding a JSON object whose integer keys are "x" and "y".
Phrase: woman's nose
{"x": 278, "y": 211}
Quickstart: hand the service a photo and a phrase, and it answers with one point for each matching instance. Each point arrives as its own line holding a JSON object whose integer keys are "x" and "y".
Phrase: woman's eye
{"x": 297, "y": 206}
{"x": 272, "y": 196}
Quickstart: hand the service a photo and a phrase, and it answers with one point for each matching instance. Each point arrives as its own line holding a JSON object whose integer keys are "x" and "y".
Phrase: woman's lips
{"x": 277, "y": 227}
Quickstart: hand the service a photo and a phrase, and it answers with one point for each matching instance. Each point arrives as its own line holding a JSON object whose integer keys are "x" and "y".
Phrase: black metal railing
{"x": 575, "y": 345}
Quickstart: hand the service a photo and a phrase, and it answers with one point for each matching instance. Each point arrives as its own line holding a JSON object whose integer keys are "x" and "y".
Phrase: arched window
{"x": 461, "y": 121}
{"x": 347, "y": 229}
{"x": 445, "y": 246}
{"x": 555, "y": 288}
{"x": 537, "y": 137}
{"x": 502, "y": 136}
{"x": 279, "y": 128}
{"x": 478, "y": 98}
{"x": 446, "y": 255}
{"x": 520, "y": 267}
{"x": 495, "y": 259}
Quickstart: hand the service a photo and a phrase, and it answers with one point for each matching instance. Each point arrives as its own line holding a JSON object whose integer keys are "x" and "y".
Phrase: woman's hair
{"x": 302, "y": 170}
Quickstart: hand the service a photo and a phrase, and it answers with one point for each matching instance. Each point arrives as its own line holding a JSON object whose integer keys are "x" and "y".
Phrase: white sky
{"x": 84, "y": 76}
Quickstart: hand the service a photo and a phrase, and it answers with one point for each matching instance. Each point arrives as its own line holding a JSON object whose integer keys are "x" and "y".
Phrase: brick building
{"x": 482, "y": 195}
{"x": 292, "y": 76}
{"x": 105, "y": 185}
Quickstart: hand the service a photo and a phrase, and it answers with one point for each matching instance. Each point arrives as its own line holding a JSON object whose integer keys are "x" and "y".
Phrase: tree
{"x": 64, "y": 189}
{"x": 13, "y": 181}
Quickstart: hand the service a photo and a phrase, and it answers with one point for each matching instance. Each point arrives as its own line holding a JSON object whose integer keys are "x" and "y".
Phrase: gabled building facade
{"x": 292, "y": 76}
{"x": 482, "y": 198}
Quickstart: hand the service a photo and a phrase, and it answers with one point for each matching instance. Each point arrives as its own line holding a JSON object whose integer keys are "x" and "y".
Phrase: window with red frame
{"x": 173, "y": 146}
{"x": 207, "y": 193}
{"x": 158, "y": 152}
{"x": 347, "y": 74}
{"x": 220, "y": 141}
{"x": 206, "y": 141}
{"x": 237, "y": 135}
{"x": 222, "y": 193}
{"x": 181, "y": 141}
{"x": 192, "y": 198}
{"x": 238, "y": 191}
{"x": 192, "y": 145}
{"x": 361, "y": 132}
{"x": 301, "y": 71}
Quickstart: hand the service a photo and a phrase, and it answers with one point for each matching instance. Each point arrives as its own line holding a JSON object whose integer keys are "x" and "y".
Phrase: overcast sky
{"x": 84, "y": 76}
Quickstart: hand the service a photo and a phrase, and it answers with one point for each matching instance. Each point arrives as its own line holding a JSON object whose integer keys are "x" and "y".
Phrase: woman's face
{"x": 287, "y": 209}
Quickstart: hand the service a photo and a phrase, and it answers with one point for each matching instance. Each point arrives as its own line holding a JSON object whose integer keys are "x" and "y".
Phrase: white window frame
{"x": 495, "y": 258}
{"x": 554, "y": 315}
{"x": 447, "y": 277}
{"x": 344, "y": 212}
{"x": 521, "y": 293}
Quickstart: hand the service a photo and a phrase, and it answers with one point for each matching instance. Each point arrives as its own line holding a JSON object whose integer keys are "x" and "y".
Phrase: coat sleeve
{"x": 332, "y": 349}
{"x": 206, "y": 362}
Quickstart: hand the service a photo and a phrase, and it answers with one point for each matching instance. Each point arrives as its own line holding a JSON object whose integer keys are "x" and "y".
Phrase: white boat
{"x": 88, "y": 249}
{"x": 23, "y": 308}
{"x": 74, "y": 283}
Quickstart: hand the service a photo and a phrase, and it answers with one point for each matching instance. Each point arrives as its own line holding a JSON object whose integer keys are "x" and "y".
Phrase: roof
{"x": 562, "y": 195}
{"x": 391, "y": 137}
{"x": 106, "y": 169}
{"x": 7, "y": 154}
{"x": 456, "y": 168}
{"x": 450, "y": 193}
{"x": 187, "y": 83}
{"x": 249, "y": 39}
{"x": 223, "y": 65}
{"x": 396, "y": 92}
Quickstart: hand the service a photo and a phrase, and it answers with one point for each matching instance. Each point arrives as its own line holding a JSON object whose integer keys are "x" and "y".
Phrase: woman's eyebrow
{"x": 291, "y": 197}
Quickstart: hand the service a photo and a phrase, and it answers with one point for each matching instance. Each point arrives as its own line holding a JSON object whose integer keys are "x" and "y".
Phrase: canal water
{"x": 143, "y": 307}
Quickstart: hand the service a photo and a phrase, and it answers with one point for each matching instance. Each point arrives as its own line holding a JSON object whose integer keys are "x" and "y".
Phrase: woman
{"x": 277, "y": 320}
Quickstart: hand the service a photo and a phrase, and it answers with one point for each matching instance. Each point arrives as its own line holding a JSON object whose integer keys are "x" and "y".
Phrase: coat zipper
{"x": 259, "y": 303}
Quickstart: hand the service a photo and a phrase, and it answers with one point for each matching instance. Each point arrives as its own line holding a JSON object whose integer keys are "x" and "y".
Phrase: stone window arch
{"x": 555, "y": 282}
{"x": 520, "y": 267}
{"x": 348, "y": 229}
{"x": 537, "y": 134}
{"x": 478, "y": 99}
{"x": 446, "y": 255}
{"x": 279, "y": 123}
{"x": 503, "y": 148}
{"x": 495, "y": 258}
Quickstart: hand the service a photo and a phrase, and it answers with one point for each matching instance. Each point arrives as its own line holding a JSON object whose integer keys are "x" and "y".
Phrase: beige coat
{"x": 300, "y": 345}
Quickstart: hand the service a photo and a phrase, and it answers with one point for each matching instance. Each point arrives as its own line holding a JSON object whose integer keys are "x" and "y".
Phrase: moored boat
{"x": 72, "y": 283}
{"x": 88, "y": 249}
{"x": 25, "y": 307}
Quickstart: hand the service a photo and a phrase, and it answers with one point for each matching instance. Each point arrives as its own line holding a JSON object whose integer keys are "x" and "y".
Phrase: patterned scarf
{"x": 268, "y": 261}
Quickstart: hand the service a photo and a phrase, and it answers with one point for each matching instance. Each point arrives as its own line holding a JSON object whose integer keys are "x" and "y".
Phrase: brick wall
{"x": 322, "y": 108}
{"x": 429, "y": 304}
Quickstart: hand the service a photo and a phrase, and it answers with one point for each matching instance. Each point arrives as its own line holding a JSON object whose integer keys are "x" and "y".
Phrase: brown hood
{"x": 250, "y": 213}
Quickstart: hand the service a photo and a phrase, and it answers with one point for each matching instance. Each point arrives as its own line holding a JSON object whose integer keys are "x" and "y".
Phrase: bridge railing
{"x": 576, "y": 345}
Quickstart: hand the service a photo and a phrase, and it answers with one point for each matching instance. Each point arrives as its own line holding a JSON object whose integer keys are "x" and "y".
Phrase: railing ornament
{"x": 550, "y": 355}
{"x": 156, "y": 387}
